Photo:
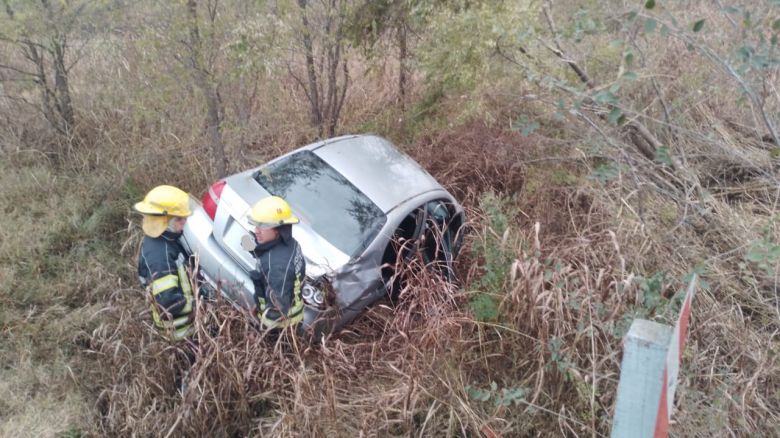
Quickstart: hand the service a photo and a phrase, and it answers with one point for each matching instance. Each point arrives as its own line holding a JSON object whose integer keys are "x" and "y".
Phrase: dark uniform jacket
{"x": 280, "y": 271}
{"x": 160, "y": 259}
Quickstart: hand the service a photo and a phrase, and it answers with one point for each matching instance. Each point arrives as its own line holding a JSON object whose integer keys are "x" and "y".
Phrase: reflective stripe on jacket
{"x": 279, "y": 275}
{"x": 162, "y": 267}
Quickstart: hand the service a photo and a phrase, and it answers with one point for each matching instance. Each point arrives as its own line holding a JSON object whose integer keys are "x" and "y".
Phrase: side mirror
{"x": 248, "y": 242}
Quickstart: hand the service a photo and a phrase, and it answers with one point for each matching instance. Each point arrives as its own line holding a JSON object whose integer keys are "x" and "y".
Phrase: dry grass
{"x": 54, "y": 267}
{"x": 574, "y": 283}
{"x": 394, "y": 371}
{"x": 79, "y": 354}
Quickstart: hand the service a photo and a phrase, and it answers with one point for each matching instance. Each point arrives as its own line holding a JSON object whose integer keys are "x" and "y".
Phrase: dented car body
{"x": 363, "y": 206}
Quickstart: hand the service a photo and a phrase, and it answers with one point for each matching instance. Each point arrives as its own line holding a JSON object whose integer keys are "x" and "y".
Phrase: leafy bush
{"x": 496, "y": 250}
{"x": 505, "y": 397}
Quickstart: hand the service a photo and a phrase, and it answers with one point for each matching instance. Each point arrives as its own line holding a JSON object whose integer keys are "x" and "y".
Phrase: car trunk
{"x": 231, "y": 224}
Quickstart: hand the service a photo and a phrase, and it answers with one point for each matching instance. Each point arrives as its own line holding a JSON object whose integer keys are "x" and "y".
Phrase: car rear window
{"x": 325, "y": 199}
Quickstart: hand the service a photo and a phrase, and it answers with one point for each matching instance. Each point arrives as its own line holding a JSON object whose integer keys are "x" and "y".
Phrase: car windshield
{"x": 328, "y": 202}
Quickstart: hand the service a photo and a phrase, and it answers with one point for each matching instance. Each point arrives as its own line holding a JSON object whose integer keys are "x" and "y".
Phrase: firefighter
{"x": 163, "y": 263}
{"x": 280, "y": 267}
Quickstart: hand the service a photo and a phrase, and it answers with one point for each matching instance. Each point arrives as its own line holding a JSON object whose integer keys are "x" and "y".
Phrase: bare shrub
{"x": 240, "y": 381}
{"x": 395, "y": 370}
{"x": 475, "y": 158}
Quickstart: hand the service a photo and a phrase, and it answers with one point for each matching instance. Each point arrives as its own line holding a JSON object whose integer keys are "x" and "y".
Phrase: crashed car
{"x": 364, "y": 207}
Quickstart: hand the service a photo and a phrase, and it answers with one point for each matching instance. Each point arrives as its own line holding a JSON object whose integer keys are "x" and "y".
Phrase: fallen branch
{"x": 644, "y": 140}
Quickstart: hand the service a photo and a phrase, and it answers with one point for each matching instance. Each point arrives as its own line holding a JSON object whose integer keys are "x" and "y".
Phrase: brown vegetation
{"x": 575, "y": 230}
{"x": 394, "y": 371}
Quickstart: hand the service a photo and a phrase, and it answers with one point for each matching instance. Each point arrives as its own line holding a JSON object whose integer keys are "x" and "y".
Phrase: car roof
{"x": 379, "y": 170}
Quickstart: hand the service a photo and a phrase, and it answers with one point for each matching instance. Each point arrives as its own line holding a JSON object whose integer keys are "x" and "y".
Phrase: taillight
{"x": 210, "y": 199}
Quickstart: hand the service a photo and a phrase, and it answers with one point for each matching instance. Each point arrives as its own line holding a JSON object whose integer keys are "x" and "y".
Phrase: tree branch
{"x": 649, "y": 143}
{"x": 300, "y": 83}
{"x": 558, "y": 50}
{"x": 730, "y": 70}
{"x": 717, "y": 60}
{"x": 18, "y": 70}
{"x": 80, "y": 52}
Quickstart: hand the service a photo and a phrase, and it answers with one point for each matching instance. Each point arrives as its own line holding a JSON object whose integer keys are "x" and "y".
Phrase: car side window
{"x": 403, "y": 243}
{"x": 439, "y": 237}
{"x": 431, "y": 231}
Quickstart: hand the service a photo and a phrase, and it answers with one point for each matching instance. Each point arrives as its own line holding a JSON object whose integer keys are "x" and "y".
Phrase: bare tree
{"x": 327, "y": 72}
{"x": 376, "y": 20}
{"x": 403, "y": 55}
{"x": 203, "y": 77}
{"x": 40, "y": 33}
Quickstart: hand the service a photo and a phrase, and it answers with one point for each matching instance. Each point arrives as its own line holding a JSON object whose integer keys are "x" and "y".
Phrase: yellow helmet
{"x": 165, "y": 201}
{"x": 271, "y": 212}
{"x": 159, "y": 205}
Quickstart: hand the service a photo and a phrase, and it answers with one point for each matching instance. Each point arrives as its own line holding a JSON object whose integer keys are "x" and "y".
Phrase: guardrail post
{"x": 641, "y": 378}
{"x": 648, "y": 375}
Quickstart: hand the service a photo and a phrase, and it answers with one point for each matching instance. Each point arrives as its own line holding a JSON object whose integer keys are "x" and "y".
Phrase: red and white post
{"x": 648, "y": 374}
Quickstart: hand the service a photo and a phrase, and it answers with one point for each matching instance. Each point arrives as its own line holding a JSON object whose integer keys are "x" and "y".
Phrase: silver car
{"x": 363, "y": 206}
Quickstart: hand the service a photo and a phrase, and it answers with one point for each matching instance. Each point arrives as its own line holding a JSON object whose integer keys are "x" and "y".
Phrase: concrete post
{"x": 641, "y": 379}
{"x": 648, "y": 376}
